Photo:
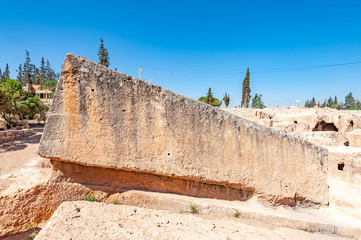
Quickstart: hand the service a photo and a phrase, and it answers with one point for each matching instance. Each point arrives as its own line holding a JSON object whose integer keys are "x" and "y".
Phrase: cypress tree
{"x": 246, "y": 90}
{"x": 103, "y": 54}
{"x": 335, "y": 101}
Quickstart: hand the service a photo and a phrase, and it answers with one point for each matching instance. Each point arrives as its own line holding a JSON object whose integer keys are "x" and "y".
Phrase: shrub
{"x": 89, "y": 198}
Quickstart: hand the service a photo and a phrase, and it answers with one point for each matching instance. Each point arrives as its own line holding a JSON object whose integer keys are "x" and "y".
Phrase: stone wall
{"x": 13, "y": 134}
{"x": 103, "y": 118}
{"x": 293, "y": 119}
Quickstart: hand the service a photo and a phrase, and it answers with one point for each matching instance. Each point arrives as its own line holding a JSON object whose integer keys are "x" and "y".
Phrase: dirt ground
{"x": 19, "y": 152}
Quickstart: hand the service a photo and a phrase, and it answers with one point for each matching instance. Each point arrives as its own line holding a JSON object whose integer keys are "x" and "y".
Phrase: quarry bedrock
{"x": 104, "y": 118}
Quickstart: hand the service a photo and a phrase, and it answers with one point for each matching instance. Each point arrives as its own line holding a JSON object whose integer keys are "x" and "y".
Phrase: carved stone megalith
{"x": 104, "y": 118}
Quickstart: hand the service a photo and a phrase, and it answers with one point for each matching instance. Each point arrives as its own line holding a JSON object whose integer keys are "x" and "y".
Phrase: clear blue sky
{"x": 189, "y": 46}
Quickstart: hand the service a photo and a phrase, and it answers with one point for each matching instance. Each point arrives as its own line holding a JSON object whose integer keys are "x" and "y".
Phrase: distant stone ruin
{"x": 113, "y": 132}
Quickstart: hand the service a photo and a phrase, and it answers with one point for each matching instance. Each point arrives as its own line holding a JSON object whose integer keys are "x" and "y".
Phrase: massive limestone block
{"x": 103, "y": 118}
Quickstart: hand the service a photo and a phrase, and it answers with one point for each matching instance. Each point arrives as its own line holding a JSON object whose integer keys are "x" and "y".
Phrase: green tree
{"x": 11, "y": 95}
{"x": 307, "y": 103}
{"x": 28, "y": 70}
{"x": 20, "y": 75}
{"x": 42, "y": 70}
{"x": 32, "y": 106}
{"x": 246, "y": 90}
{"x": 226, "y": 99}
{"x": 209, "y": 99}
{"x": 257, "y": 101}
{"x": 349, "y": 101}
{"x": 103, "y": 54}
{"x": 358, "y": 105}
{"x": 330, "y": 102}
{"x": 15, "y": 103}
{"x": 36, "y": 76}
{"x": 311, "y": 103}
{"x": 335, "y": 100}
{"x": 7, "y": 72}
{"x": 50, "y": 74}
{"x": 324, "y": 104}
{"x": 5, "y": 75}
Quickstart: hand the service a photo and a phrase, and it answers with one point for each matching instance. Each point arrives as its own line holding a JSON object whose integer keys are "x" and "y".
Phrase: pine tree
{"x": 1, "y": 76}
{"x": 7, "y": 72}
{"x": 335, "y": 101}
{"x": 330, "y": 102}
{"x": 324, "y": 104}
{"x": 349, "y": 101}
{"x": 36, "y": 75}
{"x": 226, "y": 99}
{"x": 209, "y": 97}
{"x": 27, "y": 69}
{"x": 20, "y": 75}
{"x": 49, "y": 72}
{"x": 246, "y": 90}
{"x": 358, "y": 105}
{"x": 257, "y": 101}
{"x": 103, "y": 54}
{"x": 307, "y": 104}
{"x": 42, "y": 71}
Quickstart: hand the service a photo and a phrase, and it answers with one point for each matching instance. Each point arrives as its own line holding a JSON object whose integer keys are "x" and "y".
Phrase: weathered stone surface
{"x": 104, "y": 118}
{"x": 84, "y": 220}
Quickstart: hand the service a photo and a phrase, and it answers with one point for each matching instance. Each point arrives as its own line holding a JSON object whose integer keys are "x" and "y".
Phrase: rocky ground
{"x": 31, "y": 191}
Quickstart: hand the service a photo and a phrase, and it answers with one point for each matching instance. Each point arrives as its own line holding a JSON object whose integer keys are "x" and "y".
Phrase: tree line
{"x": 29, "y": 73}
{"x": 350, "y": 103}
{"x": 16, "y": 102}
{"x": 257, "y": 101}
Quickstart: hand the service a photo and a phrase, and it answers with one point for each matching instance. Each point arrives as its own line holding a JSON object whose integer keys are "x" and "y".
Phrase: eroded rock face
{"x": 20, "y": 205}
{"x": 107, "y": 119}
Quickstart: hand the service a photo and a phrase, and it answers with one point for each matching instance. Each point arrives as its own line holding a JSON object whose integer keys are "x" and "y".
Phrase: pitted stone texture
{"x": 84, "y": 220}
{"x": 101, "y": 117}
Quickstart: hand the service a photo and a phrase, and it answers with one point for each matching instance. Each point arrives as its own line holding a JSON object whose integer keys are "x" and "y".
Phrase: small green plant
{"x": 31, "y": 226}
{"x": 334, "y": 230}
{"x": 307, "y": 230}
{"x": 236, "y": 214}
{"x": 89, "y": 198}
{"x": 33, "y": 235}
{"x": 116, "y": 202}
{"x": 193, "y": 210}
